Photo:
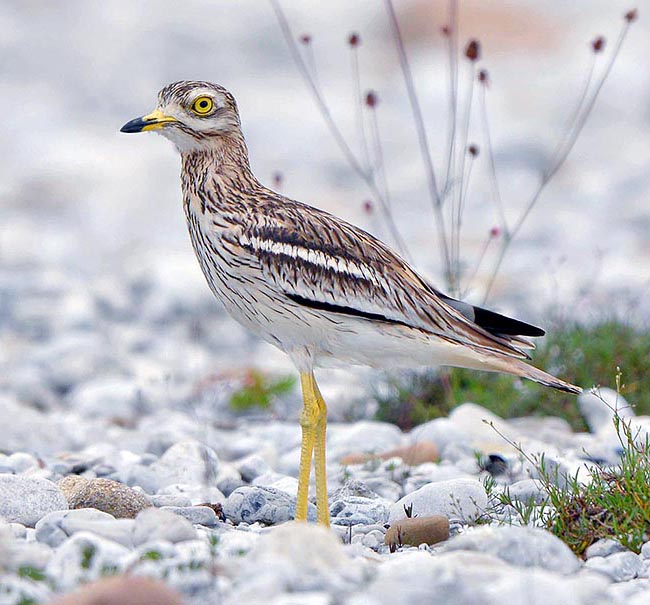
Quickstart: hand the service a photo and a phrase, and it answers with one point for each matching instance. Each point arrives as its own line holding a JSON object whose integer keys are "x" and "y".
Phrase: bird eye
{"x": 202, "y": 106}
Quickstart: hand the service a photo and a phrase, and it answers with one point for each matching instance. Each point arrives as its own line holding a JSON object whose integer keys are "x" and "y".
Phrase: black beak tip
{"x": 133, "y": 126}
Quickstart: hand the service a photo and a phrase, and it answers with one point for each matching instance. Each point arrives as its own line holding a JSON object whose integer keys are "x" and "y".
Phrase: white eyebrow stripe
{"x": 314, "y": 257}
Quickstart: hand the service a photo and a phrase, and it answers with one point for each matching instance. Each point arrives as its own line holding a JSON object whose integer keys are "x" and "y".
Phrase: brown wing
{"x": 322, "y": 262}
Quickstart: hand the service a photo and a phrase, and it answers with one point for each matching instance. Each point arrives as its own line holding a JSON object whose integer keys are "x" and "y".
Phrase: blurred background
{"x": 95, "y": 261}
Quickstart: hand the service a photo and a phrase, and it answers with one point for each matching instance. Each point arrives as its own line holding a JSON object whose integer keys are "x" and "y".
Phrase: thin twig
{"x": 558, "y": 162}
{"x": 378, "y": 149}
{"x": 422, "y": 135}
{"x": 322, "y": 106}
{"x": 494, "y": 180}
{"x": 452, "y": 53}
{"x": 461, "y": 173}
{"x": 356, "y": 78}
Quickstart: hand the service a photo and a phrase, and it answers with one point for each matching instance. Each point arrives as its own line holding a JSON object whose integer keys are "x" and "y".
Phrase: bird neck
{"x": 221, "y": 166}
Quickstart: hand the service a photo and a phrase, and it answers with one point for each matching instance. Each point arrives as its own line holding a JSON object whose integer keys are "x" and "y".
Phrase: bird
{"x": 317, "y": 287}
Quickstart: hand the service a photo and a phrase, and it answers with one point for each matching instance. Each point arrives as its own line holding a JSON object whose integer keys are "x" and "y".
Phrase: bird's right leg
{"x": 308, "y": 422}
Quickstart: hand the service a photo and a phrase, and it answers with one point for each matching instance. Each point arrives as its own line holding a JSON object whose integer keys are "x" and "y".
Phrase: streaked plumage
{"x": 317, "y": 287}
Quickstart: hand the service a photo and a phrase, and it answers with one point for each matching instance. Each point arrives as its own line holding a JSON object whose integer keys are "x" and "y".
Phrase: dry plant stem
{"x": 458, "y": 206}
{"x": 378, "y": 150}
{"x": 434, "y": 195}
{"x": 557, "y": 162}
{"x": 366, "y": 176}
{"x": 479, "y": 262}
{"x": 361, "y": 126}
{"x": 496, "y": 192}
{"x": 452, "y": 52}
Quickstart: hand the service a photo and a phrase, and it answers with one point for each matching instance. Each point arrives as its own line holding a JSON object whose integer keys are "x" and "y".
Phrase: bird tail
{"x": 517, "y": 367}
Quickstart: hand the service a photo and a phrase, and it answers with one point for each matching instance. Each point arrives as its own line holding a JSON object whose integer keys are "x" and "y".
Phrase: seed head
{"x": 368, "y": 206}
{"x": 305, "y": 39}
{"x": 598, "y": 44}
{"x": 371, "y": 99}
{"x": 445, "y": 30}
{"x": 632, "y": 15}
{"x": 354, "y": 39}
{"x": 484, "y": 77}
{"x": 473, "y": 150}
{"x": 473, "y": 50}
{"x": 278, "y": 177}
{"x": 495, "y": 232}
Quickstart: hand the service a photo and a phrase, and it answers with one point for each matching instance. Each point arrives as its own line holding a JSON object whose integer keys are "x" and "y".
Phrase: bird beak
{"x": 155, "y": 120}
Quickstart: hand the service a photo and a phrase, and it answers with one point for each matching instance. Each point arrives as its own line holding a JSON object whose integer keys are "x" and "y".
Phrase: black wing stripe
{"x": 324, "y": 306}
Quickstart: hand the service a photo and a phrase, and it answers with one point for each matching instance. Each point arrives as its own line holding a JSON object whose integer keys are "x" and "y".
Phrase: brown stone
{"x": 121, "y": 590}
{"x": 106, "y": 495}
{"x": 416, "y": 531}
{"x": 413, "y": 455}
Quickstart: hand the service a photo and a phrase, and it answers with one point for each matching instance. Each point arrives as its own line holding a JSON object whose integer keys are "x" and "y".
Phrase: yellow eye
{"x": 202, "y": 106}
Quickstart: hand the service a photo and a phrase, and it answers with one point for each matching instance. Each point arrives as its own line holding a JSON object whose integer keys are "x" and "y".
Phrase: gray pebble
{"x": 26, "y": 500}
{"x": 527, "y": 490}
{"x": 161, "y": 500}
{"x": 604, "y": 548}
{"x": 187, "y": 462}
{"x": 50, "y": 530}
{"x": 459, "y": 498}
{"x": 197, "y": 515}
{"x": 85, "y": 557}
{"x": 519, "y": 546}
{"x": 252, "y": 466}
{"x": 252, "y": 504}
{"x": 160, "y": 524}
{"x": 620, "y": 567}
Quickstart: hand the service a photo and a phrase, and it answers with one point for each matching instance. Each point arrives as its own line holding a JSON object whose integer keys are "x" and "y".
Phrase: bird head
{"x": 193, "y": 115}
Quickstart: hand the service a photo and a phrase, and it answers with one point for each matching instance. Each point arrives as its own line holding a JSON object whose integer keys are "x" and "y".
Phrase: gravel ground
{"x": 119, "y": 449}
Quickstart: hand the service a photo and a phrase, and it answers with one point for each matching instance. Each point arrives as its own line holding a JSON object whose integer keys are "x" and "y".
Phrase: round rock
{"x": 463, "y": 499}
{"x": 26, "y": 500}
{"x": 187, "y": 462}
{"x": 519, "y": 546}
{"x": 106, "y": 495}
{"x": 420, "y": 530}
{"x": 251, "y": 504}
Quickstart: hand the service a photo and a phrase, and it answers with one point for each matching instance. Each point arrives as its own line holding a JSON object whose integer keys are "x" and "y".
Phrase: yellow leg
{"x": 320, "y": 467}
{"x": 313, "y": 421}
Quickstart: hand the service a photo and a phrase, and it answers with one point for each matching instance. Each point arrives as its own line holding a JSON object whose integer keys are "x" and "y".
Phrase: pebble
{"x": 475, "y": 423}
{"x": 106, "y": 495}
{"x": 411, "y": 455}
{"x": 306, "y": 557}
{"x": 121, "y": 590}
{"x": 253, "y": 504}
{"x": 598, "y": 408}
{"x": 527, "y": 490}
{"x": 645, "y": 550}
{"x": 372, "y": 436}
{"x": 108, "y": 397}
{"x": 187, "y": 462}
{"x": 468, "y": 578}
{"x": 84, "y": 557}
{"x": 440, "y": 431}
{"x": 252, "y": 466}
{"x": 26, "y": 500}
{"x": 519, "y": 546}
{"x": 603, "y": 548}
{"x": 197, "y": 494}
{"x": 620, "y": 566}
{"x": 161, "y": 524}
{"x": 197, "y": 515}
{"x": 458, "y": 498}
{"x": 56, "y": 527}
{"x": 420, "y": 530}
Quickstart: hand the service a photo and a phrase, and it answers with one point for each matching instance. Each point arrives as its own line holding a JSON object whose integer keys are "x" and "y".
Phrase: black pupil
{"x": 203, "y": 104}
